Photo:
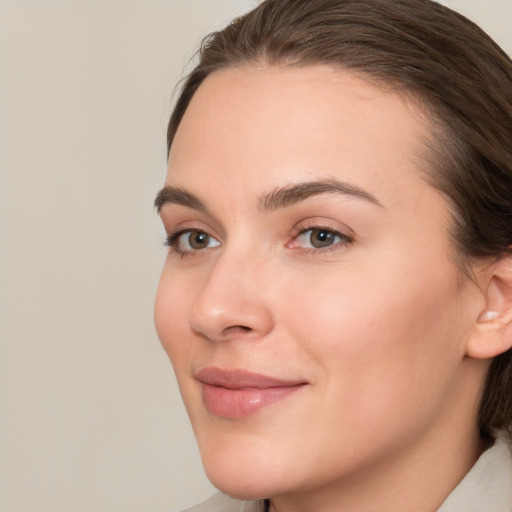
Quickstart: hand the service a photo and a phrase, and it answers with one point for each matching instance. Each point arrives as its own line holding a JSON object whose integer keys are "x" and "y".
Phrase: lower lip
{"x": 240, "y": 403}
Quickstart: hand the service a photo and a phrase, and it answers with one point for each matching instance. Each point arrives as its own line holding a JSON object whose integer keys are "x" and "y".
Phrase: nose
{"x": 233, "y": 302}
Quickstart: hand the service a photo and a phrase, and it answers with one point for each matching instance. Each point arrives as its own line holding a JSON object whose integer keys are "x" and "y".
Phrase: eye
{"x": 191, "y": 240}
{"x": 320, "y": 238}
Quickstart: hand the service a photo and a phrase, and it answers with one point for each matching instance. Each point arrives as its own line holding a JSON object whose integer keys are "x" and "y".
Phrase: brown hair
{"x": 438, "y": 57}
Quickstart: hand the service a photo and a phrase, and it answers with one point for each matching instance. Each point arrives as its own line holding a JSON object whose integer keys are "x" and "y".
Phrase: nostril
{"x": 237, "y": 329}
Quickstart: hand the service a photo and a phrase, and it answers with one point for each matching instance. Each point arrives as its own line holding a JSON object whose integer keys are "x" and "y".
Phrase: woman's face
{"x": 309, "y": 302}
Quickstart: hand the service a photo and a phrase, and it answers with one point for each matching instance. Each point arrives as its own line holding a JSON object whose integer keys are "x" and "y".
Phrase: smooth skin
{"x": 355, "y": 291}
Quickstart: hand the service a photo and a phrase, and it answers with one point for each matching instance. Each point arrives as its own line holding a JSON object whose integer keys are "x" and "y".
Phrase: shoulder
{"x": 221, "y": 503}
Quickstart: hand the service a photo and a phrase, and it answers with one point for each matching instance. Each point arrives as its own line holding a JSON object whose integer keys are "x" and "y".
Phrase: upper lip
{"x": 240, "y": 379}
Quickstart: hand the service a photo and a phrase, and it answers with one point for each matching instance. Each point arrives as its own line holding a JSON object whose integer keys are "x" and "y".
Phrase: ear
{"x": 492, "y": 332}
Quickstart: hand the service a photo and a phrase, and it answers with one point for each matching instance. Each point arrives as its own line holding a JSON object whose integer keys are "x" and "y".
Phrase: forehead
{"x": 269, "y": 126}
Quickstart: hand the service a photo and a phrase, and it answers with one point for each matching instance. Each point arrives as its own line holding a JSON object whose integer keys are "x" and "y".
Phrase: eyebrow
{"x": 280, "y": 198}
{"x": 294, "y": 193}
{"x": 176, "y": 195}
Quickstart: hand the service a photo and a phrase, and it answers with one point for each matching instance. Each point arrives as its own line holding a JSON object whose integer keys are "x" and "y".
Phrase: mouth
{"x": 239, "y": 393}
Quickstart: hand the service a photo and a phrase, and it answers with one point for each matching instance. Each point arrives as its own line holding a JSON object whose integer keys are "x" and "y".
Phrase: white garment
{"x": 486, "y": 488}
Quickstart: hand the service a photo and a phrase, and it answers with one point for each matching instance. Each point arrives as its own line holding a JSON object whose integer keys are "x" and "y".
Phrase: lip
{"x": 239, "y": 393}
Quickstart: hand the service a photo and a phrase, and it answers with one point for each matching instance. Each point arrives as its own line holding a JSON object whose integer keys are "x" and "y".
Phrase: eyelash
{"x": 172, "y": 240}
{"x": 344, "y": 239}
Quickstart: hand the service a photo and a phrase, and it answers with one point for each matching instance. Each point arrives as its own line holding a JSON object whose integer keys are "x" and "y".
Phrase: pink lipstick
{"x": 238, "y": 393}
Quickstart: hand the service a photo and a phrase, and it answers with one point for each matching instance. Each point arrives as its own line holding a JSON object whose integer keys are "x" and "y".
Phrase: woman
{"x": 337, "y": 297}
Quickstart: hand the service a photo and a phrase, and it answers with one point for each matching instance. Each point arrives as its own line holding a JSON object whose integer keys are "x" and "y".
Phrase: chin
{"x": 250, "y": 486}
{"x": 243, "y": 478}
{"x": 243, "y": 491}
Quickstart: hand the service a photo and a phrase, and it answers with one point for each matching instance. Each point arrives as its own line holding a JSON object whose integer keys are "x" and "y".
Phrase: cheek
{"x": 383, "y": 336}
{"x": 385, "y": 353}
{"x": 170, "y": 318}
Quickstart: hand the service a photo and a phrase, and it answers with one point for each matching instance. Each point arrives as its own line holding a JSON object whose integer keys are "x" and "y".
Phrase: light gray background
{"x": 90, "y": 416}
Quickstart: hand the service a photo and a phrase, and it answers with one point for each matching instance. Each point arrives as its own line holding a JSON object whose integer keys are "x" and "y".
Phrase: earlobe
{"x": 492, "y": 332}
{"x": 488, "y": 315}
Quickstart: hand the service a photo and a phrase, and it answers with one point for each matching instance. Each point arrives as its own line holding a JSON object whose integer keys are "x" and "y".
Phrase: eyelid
{"x": 323, "y": 223}
{"x": 177, "y": 225}
{"x": 176, "y": 218}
